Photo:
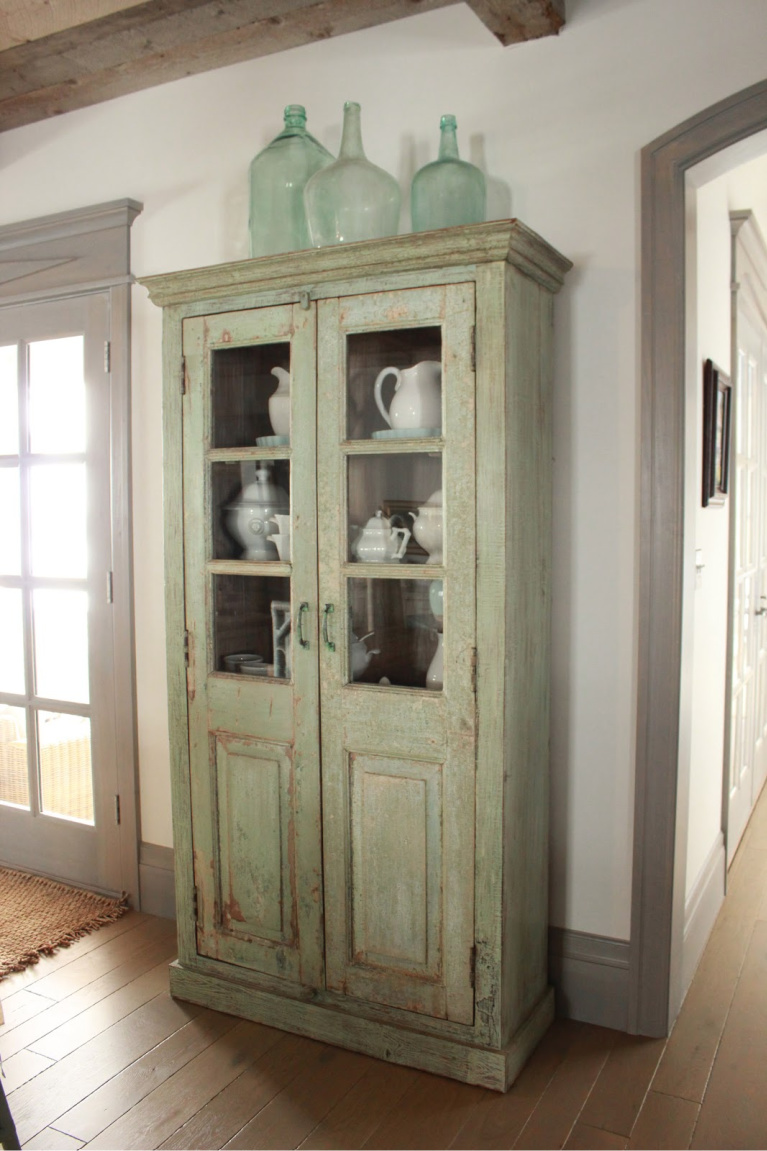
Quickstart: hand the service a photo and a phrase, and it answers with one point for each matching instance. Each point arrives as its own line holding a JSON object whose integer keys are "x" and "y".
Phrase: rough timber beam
{"x": 160, "y": 40}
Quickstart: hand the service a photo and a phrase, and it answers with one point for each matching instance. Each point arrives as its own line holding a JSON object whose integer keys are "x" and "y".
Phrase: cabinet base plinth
{"x": 483, "y": 1066}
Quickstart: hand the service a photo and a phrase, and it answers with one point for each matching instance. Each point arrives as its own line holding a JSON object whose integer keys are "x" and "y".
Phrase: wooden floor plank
{"x": 52, "y": 1140}
{"x": 289, "y": 1117}
{"x": 498, "y": 1119}
{"x": 32, "y": 1030}
{"x": 39, "y": 1104}
{"x": 430, "y": 1114}
{"x": 142, "y": 979}
{"x": 357, "y": 1115}
{"x": 623, "y": 1083}
{"x": 171, "y": 1104}
{"x": 47, "y": 964}
{"x": 664, "y": 1122}
{"x": 585, "y": 1138}
{"x": 19, "y": 1007}
{"x": 108, "y": 1103}
{"x": 228, "y": 1112}
{"x": 685, "y": 1066}
{"x": 22, "y": 1067}
{"x": 740, "y": 1069}
{"x": 561, "y": 1103}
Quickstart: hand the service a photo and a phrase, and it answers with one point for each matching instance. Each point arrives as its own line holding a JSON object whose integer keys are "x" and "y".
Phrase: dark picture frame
{"x": 717, "y": 403}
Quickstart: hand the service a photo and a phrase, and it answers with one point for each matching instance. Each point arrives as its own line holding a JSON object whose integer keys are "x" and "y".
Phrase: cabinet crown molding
{"x": 470, "y": 245}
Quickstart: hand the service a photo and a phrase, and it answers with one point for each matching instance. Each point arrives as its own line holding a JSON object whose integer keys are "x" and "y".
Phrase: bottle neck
{"x": 351, "y": 140}
{"x": 448, "y": 142}
{"x": 295, "y": 119}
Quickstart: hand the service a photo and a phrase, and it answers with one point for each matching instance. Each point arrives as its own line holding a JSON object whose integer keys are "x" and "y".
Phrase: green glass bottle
{"x": 351, "y": 199}
{"x": 277, "y": 178}
{"x": 449, "y": 191}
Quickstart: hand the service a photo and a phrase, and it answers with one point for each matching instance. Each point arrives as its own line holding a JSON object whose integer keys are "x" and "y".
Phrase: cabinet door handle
{"x": 303, "y": 607}
{"x": 329, "y": 608}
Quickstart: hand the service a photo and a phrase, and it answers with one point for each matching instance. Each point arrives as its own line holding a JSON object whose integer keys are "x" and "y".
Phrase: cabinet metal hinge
{"x": 195, "y": 904}
{"x": 474, "y": 348}
{"x": 183, "y": 376}
{"x": 110, "y": 587}
{"x": 117, "y": 809}
{"x": 474, "y": 661}
{"x": 107, "y": 357}
{"x": 473, "y": 965}
{"x": 186, "y": 649}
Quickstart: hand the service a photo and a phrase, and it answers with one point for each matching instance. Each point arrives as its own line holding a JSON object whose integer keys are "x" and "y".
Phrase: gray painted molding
{"x": 660, "y": 825}
{"x": 158, "y": 896}
{"x": 702, "y": 908}
{"x": 590, "y": 975}
{"x": 84, "y": 250}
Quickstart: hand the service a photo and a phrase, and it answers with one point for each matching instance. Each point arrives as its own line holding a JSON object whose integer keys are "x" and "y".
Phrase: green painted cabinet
{"x": 358, "y": 629}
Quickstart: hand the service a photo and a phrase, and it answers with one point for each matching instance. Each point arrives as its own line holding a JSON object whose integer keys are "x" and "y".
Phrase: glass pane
{"x": 396, "y": 632}
{"x": 251, "y": 396}
{"x": 10, "y": 522}
{"x": 394, "y": 384}
{"x": 61, "y": 644}
{"x": 12, "y": 642}
{"x": 9, "y": 401}
{"x": 395, "y": 508}
{"x": 66, "y": 785}
{"x": 251, "y": 510}
{"x": 57, "y": 395}
{"x": 14, "y": 778}
{"x": 58, "y": 520}
{"x": 252, "y": 626}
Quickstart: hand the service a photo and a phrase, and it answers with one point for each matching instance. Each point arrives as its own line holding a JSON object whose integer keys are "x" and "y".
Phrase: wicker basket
{"x": 65, "y": 777}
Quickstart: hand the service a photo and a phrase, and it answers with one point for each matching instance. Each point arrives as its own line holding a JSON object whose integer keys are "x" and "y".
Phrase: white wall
{"x": 559, "y": 124}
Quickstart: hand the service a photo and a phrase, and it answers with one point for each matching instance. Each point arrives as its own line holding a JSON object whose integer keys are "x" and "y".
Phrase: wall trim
{"x": 702, "y": 907}
{"x": 590, "y": 974}
{"x": 156, "y": 879}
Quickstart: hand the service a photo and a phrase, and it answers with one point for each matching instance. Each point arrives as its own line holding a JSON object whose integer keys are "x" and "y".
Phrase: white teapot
{"x": 427, "y": 527}
{"x": 380, "y": 543}
{"x": 417, "y": 401}
{"x": 359, "y": 656}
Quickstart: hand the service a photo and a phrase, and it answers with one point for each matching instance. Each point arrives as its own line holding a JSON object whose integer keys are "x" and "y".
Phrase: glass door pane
{"x": 57, "y": 396}
{"x": 14, "y": 773}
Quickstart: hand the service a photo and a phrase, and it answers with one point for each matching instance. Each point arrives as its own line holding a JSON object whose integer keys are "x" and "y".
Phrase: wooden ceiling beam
{"x": 160, "y": 40}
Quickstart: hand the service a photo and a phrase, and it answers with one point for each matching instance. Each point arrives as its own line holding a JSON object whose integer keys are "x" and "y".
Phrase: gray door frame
{"x": 660, "y": 812}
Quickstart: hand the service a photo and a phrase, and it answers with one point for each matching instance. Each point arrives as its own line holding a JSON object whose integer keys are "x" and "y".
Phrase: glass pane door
{"x": 55, "y": 549}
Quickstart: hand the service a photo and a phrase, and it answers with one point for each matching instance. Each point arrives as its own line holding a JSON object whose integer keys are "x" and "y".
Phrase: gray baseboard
{"x": 155, "y": 870}
{"x": 590, "y": 975}
{"x": 701, "y": 909}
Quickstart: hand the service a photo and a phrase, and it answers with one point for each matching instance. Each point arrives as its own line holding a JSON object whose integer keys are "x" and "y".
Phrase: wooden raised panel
{"x": 395, "y": 875}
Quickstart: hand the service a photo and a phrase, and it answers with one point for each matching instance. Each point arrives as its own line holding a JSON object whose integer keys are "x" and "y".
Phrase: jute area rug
{"x": 38, "y": 915}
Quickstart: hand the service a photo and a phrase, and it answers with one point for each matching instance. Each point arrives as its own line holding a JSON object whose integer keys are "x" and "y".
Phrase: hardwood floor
{"x": 97, "y": 1054}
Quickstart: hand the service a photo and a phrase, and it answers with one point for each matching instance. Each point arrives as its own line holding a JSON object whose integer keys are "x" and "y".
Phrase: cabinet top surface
{"x": 468, "y": 246}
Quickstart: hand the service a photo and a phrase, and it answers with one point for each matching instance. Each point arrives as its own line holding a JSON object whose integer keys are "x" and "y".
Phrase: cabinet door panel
{"x": 252, "y": 691}
{"x": 398, "y": 744}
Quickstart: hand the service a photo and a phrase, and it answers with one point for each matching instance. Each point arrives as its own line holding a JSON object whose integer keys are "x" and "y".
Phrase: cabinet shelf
{"x": 249, "y": 567}
{"x": 393, "y": 447}
{"x": 239, "y": 455}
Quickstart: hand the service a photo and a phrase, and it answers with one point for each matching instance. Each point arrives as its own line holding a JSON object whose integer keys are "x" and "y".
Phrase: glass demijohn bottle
{"x": 277, "y": 178}
{"x": 449, "y": 191}
{"x": 351, "y": 199}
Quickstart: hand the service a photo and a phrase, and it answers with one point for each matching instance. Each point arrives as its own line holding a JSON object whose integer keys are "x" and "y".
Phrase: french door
{"x": 58, "y": 769}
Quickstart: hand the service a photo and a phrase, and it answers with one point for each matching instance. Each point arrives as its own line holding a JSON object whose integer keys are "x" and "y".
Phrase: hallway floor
{"x": 97, "y": 1054}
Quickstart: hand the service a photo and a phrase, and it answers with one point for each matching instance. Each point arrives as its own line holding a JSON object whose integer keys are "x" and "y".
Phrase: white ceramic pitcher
{"x": 417, "y": 401}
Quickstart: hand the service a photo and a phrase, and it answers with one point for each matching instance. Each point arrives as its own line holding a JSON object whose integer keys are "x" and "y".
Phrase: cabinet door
{"x": 252, "y": 678}
{"x": 397, "y": 598}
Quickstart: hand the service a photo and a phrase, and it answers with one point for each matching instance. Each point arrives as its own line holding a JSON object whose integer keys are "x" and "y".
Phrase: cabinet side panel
{"x": 526, "y": 704}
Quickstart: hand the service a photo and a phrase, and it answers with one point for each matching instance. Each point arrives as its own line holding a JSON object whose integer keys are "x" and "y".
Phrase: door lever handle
{"x": 329, "y": 609}
{"x": 302, "y": 608}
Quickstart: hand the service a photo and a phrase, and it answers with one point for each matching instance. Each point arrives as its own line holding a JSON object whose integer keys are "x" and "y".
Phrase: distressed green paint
{"x": 433, "y": 804}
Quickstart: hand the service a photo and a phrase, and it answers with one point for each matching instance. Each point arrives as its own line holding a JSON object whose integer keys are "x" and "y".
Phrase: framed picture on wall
{"x": 716, "y": 434}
